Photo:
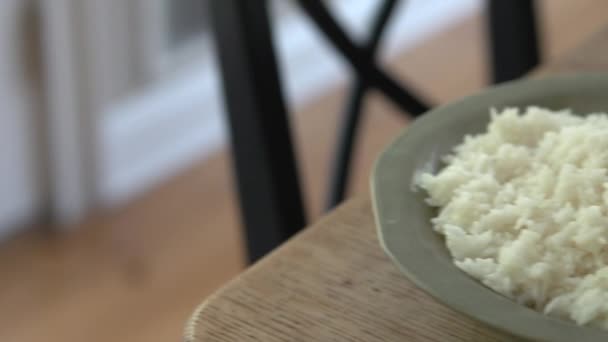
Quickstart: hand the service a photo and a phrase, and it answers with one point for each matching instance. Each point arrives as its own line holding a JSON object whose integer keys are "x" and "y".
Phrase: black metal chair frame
{"x": 266, "y": 171}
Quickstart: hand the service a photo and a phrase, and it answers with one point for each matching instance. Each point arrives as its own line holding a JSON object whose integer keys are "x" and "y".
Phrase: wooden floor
{"x": 135, "y": 275}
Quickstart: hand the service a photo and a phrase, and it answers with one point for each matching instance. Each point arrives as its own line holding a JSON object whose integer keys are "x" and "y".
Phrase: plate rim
{"x": 512, "y": 327}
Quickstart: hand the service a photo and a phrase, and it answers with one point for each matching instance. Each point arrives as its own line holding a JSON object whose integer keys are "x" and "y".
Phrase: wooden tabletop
{"x": 332, "y": 282}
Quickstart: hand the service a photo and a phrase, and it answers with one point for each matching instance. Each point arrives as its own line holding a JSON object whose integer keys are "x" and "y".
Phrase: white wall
{"x": 20, "y": 195}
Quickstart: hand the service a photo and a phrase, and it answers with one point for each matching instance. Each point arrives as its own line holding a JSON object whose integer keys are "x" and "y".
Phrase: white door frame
{"x": 67, "y": 123}
{"x": 77, "y": 56}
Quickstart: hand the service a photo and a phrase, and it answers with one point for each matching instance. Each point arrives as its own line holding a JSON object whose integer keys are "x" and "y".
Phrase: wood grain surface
{"x": 333, "y": 282}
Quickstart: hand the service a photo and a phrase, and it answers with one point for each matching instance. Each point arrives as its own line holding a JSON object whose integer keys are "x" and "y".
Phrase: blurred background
{"x": 117, "y": 208}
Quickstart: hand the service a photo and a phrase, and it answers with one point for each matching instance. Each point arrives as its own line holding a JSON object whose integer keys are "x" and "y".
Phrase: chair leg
{"x": 267, "y": 179}
{"x": 359, "y": 59}
{"x": 513, "y": 38}
{"x": 340, "y": 169}
{"x": 350, "y": 122}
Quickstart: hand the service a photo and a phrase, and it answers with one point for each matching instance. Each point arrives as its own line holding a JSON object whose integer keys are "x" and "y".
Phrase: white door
{"x": 20, "y": 189}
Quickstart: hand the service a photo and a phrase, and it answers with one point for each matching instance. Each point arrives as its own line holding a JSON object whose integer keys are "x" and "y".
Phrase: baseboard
{"x": 157, "y": 133}
{"x": 167, "y": 127}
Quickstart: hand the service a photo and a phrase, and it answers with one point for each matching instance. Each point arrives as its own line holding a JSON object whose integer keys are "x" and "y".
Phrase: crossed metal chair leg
{"x": 368, "y": 75}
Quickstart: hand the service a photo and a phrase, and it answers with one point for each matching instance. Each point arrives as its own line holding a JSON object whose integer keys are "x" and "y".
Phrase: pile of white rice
{"x": 524, "y": 209}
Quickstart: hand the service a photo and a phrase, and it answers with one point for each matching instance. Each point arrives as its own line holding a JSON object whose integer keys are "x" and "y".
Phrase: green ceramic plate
{"x": 403, "y": 218}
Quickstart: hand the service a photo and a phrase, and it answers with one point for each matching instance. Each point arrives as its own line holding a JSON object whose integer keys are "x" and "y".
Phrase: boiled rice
{"x": 524, "y": 209}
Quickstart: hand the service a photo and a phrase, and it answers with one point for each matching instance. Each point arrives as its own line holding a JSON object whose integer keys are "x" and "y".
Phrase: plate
{"x": 403, "y": 218}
